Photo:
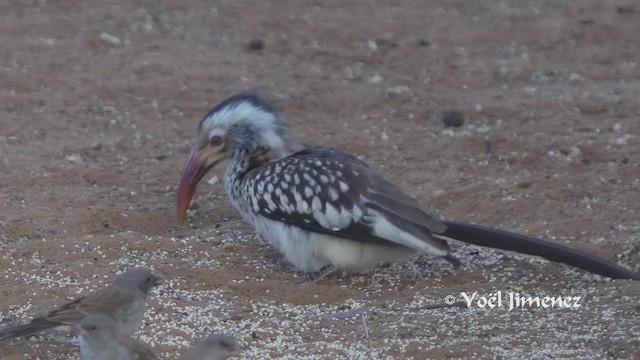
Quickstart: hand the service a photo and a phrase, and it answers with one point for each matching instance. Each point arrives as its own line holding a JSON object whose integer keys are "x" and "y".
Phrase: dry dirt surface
{"x": 100, "y": 101}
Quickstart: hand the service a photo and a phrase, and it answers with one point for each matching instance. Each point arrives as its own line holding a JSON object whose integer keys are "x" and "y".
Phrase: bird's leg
{"x": 317, "y": 275}
{"x": 455, "y": 262}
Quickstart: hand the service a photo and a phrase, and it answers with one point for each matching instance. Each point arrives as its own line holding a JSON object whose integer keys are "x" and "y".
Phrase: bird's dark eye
{"x": 215, "y": 140}
{"x": 93, "y": 327}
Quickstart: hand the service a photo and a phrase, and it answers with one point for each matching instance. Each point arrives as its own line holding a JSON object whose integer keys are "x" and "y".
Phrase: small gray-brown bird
{"x": 124, "y": 300}
{"x": 213, "y": 347}
{"x": 100, "y": 339}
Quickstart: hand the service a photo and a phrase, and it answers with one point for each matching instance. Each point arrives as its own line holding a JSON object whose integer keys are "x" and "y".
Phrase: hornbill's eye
{"x": 215, "y": 140}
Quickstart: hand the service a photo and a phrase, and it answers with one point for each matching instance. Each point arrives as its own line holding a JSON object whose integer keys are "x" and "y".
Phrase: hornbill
{"x": 325, "y": 209}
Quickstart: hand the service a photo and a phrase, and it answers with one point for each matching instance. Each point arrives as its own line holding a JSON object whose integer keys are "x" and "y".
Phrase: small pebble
{"x": 375, "y": 79}
{"x": 256, "y": 44}
{"x": 194, "y": 205}
{"x": 453, "y": 118}
{"x": 74, "y": 159}
{"x": 626, "y": 9}
{"x": 49, "y": 42}
{"x": 396, "y": 90}
{"x": 113, "y": 40}
{"x": 574, "y": 152}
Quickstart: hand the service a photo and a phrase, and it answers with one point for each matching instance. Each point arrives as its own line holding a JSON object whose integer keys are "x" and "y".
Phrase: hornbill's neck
{"x": 245, "y": 158}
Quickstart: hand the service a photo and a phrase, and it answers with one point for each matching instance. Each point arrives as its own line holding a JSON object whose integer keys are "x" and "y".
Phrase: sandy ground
{"x": 100, "y": 101}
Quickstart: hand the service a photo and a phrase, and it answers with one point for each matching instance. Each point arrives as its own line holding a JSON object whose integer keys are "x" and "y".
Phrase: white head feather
{"x": 254, "y": 113}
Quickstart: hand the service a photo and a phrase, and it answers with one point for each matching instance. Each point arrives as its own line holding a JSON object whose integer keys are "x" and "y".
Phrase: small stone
{"x": 626, "y": 9}
{"x": 147, "y": 27}
{"x": 113, "y": 40}
{"x": 256, "y": 44}
{"x": 574, "y": 152}
{"x": 573, "y": 77}
{"x": 397, "y": 90}
{"x": 375, "y": 79}
{"x": 49, "y": 42}
{"x": 453, "y": 118}
{"x": 74, "y": 159}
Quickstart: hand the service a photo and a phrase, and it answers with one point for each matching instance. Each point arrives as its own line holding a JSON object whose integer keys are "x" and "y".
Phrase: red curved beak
{"x": 191, "y": 174}
{"x": 198, "y": 164}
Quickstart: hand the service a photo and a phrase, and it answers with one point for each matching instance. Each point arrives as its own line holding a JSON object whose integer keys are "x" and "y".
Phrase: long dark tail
{"x": 34, "y": 327}
{"x": 504, "y": 240}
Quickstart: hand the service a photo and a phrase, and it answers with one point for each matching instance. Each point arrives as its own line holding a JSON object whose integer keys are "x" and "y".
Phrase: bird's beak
{"x": 157, "y": 281}
{"x": 198, "y": 165}
{"x": 78, "y": 330}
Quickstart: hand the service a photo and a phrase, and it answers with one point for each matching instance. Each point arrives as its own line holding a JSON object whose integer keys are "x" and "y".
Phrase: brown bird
{"x": 325, "y": 209}
{"x": 100, "y": 339}
{"x": 124, "y": 300}
{"x": 214, "y": 347}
